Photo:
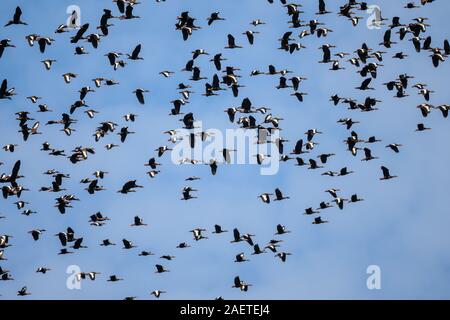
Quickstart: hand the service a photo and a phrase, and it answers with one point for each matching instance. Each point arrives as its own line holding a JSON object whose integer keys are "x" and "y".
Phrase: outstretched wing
{"x": 15, "y": 171}
{"x": 121, "y": 6}
{"x": 278, "y": 193}
{"x": 231, "y": 42}
{"x": 387, "y": 36}
{"x": 4, "y": 87}
{"x": 129, "y": 11}
{"x": 237, "y": 282}
{"x": 236, "y": 234}
{"x": 17, "y": 14}
{"x": 136, "y": 51}
{"x": 322, "y": 6}
{"x": 385, "y": 171}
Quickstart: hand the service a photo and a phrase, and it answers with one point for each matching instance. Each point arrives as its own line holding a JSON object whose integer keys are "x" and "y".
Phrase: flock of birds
{"x": 367, "y": 62}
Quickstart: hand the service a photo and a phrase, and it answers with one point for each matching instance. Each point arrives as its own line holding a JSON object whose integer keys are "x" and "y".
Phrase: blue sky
{"x": 402, "y": 226}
